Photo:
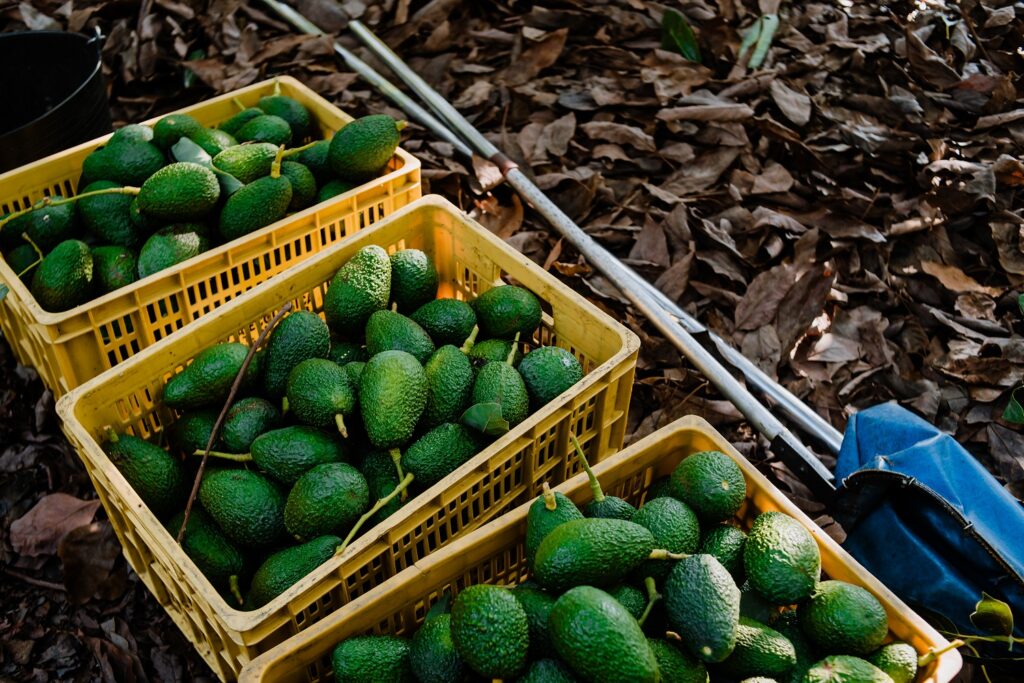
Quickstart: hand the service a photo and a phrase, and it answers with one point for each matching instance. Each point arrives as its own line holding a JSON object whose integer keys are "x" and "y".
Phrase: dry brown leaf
{"x": 535, "y": 58}
{"x": 620, "y": 134}
{"x": 956, "y": 280}
{"x": 39, "y": 530}
{"x": 927, "y": 64}
{"x": 707, "y": 112}
{"x": 775, "y": 178}
{"x": 795, "y": 106}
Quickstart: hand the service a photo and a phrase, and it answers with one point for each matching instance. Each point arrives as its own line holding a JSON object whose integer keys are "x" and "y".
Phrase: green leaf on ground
{"x": 486, "y": 418}
{"x": 992, "y": 615}
{"x": 676, "y": 35}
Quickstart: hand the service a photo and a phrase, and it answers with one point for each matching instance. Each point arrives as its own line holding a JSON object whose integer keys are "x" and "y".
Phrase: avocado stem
{"x": 470, "y": 340}
{"x": 277, "y": 87}
{"x": 396, "y": 457}
{"x": 39, "y": 252}
{"x": 652, "y": 597}
{"x": 296, "y": 150}
{"x": 399, "y": 489}
{"x": 401, "y": 125}
{"x": 235, "y": 457}
{"x": 512, "y": 352}
{"x": 235, "y": 590}
{"x": 238, "y": 103}
{"x": 550, "y": 502}
{"x": 339, "y": 420}
{"x": 112, "y": 435}
{"x": 275, "y": 167}
{"x": 284, "y": 405}
{"x": 662, "y": 554}
{"x": 595, "y": 485}
{"x": 930, "y": 656}
{"x": 50, "y": 201}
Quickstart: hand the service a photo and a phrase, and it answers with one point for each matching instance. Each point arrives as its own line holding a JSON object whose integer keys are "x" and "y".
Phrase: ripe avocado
{"x": 133, "y": 132}
{"x": 285, "y": 568}
{"x": 630, "y": 597}
{"x": 599, "y": 639}
{"x": 547, "y": 671}
{"x": 173, "y": 127}
{"x": 537, "y": 604}
{"x": 845, "y": 669}
{"x": 246, "y": 420}
{"x": 64, "y": 278}
{"x": 315, "y": 159}
{"x": 413, "y": 279}
{"x": 208, "y": 379}
{"x": 257, "y": 205}
{"x": 788, "y": 624}
{"x": 504, "y": 311}
{"x": 447, "y": 321}
{"x": 490, "y": 630}
{"x": 332, "y": 189}
{"x": 496, "y": 350}
{"x": 898, "y": 660}
{"x": 238, "y": 120}
{"x": 170, "y": 246}
{"x": 298, "y": 337}
{"x": 596, "y": 552}
{"x": 675, "y": 528}
{"x": 759, "y": 650}
{"x": 212, "y": 552}
{"x": 191, "y": 431}
{"x": 23, "y": 259}
{"x": 844, "y": 619}
{"x": 440, "y": 452}
{"x": 114, "y": 267}
{"x": 432, "y": 654}
{"x": 291, "y": 110}
{"x": 387, "y": 330}
{"x": 547, "y": 372}
{"x": 266, "y": 128}
{"x": 726, "y": 543}
{"x": 549, "y": 510}
{"x": 369, "y": 659}
{"x": 449, "y": 385}
{"x": 319, "y": 394}
{"x": 182, "y": 191}
{"x": 247, "y": 506}
{"x": 46, "y": 224}
{"x": 781, "y": 559}
{"x": 675, "y": 665}
{"x": 392, "y": 396}
{"x": 360, "y": 287}
{"x": 154, "y": 473}
{"x": 303, "y": 185}
{"x": 498, "y": 382}
{"x": 125, "y": 163}
{"x": 327, "y": 499}
{"x": 712, "y": 484}
{"x": 363, "y": 148}
{"x": 288, "y": 453}
{"x": 247, "y": 162}
{"x": 343, "y": 352}
{"x": 703, "y": 605}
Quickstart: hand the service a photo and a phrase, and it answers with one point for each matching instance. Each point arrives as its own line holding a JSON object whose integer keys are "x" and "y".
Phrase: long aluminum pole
{"x": 799, "y": 412}
{"x": 795, "y": 454}
{"x": 367, "y": 72}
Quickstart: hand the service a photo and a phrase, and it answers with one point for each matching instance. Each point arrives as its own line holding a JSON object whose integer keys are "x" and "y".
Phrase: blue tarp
{"x": 925, "y": 517}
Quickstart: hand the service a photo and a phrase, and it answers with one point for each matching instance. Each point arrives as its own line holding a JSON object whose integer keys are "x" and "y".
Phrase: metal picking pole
{"x": 665, "y": 314}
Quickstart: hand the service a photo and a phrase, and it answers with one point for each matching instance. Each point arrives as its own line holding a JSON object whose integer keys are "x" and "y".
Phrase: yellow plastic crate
{"x": 510, "y": 471}
{"x": 71, "y": 347}
{"x": 494, "y": 554}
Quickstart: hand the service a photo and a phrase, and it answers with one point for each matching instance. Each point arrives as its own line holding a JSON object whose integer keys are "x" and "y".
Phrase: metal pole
{"x": 386, "y": 87}
{"x": 798, "y": 411}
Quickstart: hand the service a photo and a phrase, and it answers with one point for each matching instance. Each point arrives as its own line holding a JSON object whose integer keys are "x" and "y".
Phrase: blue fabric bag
{"x": 926, "y": 518}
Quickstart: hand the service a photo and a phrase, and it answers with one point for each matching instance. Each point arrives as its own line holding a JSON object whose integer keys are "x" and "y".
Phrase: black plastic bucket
{"x": 54, "y": 93}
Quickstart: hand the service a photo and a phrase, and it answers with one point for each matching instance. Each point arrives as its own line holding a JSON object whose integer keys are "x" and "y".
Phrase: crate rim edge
{"x": 426, "y": 565}
{"x": 234, "y": 617}
{"x": 42, "y": 316}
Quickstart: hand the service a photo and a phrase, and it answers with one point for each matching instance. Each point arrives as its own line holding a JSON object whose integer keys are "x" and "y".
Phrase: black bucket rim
{"x": 74, "y": 93}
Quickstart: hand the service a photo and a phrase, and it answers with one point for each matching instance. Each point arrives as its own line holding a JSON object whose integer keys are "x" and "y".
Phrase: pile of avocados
{"x": 339, "y": 418}
{"x": 154, "y": 197}
{"x": 673, "y": 591}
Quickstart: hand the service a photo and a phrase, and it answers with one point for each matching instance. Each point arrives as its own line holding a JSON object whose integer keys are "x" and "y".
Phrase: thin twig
{"x": 224, "y": 411}
{"x": 974, "y": 33}
{"x": 39, "y": 583}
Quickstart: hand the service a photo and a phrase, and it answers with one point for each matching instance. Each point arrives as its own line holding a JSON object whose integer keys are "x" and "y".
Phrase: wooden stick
{"x": 224, "y": 411}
